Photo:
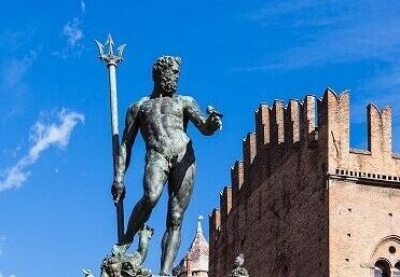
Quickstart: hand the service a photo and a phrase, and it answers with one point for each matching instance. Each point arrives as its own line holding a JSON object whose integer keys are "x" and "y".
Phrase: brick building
{"x": 303, "y": 203}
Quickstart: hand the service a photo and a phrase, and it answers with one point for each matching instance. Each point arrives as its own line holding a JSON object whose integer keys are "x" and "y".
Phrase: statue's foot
{"x": 145, "y": 272}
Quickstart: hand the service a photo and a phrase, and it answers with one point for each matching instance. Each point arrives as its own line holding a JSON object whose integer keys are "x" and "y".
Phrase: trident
{"x": 112, "y": 60}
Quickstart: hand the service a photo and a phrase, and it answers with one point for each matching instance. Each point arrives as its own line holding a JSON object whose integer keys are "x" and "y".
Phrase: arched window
{"x": 283, "y": 271}
{"x": 396, "y": 270}
{"x": 382, "y": 269}
{"x": 386, "y": 257}
{"x": 377, "y": 272}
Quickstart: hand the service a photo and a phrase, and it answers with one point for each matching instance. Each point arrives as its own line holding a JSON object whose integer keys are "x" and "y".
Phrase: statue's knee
{"x": 150, "y": 200}
{"x": 175, "y": 220}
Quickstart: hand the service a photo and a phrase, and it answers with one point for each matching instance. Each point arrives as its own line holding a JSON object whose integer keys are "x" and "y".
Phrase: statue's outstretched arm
{"x": 207, "y": 126}
{"x": 124, "y": 155}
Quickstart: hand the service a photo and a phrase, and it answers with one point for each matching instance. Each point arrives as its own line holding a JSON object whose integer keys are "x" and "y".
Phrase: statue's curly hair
{"x": 163, "y": 63}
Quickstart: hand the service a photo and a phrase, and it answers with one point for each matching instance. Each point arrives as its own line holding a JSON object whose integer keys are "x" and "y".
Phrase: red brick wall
{"x": 282, "y": 210}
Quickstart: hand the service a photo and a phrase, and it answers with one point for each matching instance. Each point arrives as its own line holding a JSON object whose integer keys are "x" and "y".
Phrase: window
{"x": 386, "y": 258}
{"x": 382, "y": 269}
{"x": 396, "y": 270}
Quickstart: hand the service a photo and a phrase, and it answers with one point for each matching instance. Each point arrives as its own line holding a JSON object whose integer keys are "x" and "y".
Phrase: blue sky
{"x": 56, "y": 213}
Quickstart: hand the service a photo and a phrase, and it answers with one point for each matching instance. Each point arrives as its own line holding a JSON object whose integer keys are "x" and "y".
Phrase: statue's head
{"x": 111, "y": 267}
{"x": 166, "y": 73}
{"x": 239, "y": 260}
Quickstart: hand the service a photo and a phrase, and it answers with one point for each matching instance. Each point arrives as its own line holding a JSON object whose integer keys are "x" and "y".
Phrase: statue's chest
{"x": 162, "y": 107}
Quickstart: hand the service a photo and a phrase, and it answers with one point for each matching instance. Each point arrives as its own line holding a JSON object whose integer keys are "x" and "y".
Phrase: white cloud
{"x": 74, "y": 32}
{"x": 15, "y": 70}
{"x": 330, "y": 32}
{"x": 279, "y": 8}
{"x": 388, "y": 80}
{"x": 14, "y": 40}
{"x": 14, "y": 84}
{"x": 45, "y": 133}
{"x": 83, "y": 6}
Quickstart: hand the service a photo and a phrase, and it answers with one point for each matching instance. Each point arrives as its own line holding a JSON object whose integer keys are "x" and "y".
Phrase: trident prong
{"x": 101, "y": 48}
{"x": 120, "y": 49}
{"x": 110, "y": 57}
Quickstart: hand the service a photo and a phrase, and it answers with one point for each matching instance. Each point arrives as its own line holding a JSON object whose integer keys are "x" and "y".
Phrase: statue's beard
{"x": 168, "y": 86}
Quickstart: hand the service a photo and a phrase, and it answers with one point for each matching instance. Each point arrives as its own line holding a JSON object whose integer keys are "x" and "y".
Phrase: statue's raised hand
{"x": 118, "y": 191}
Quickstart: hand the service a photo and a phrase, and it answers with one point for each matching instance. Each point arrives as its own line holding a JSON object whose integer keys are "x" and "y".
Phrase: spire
{"x": 195, "y": 261}
{"x": 199, "y": 229}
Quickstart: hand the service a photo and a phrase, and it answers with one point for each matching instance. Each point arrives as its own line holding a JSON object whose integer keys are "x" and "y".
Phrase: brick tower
{"x": 302, "y": 203}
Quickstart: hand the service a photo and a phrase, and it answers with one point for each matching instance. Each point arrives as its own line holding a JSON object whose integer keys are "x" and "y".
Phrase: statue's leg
{"x": 154, "y": 179}
{"x": 180, "y": 187}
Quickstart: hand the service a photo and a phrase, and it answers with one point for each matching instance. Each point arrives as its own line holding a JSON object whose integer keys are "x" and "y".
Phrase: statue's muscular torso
{"x": 162, "y": 123}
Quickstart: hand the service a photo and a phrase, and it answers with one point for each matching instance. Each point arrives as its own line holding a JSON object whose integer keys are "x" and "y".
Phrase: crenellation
{"x": 263, "y": 125}
{"x": 249, "y": 152}
{"x": 334, "y": 137}
{"x": 379, "y": 130}
{"x": 237, "y": 175}
{"x": 292, "y": 121}
{"x": 215, "y": 220}
{"x": 321, "y": 115}
{"x": 285, "y": 126}
{"x": 316, "y": 203}
{"x": 386, "y": 115}
{"x": 334, "y": 126}
{"x": 237, "y": 179}
{"x": 277, "y": 122}
{"x": 225, "y": 203}
{"x": 308, "y": 117}
{"x": 344, "y": 125}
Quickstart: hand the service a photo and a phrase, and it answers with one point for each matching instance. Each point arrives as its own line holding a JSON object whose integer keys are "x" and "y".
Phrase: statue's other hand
{"x": 118, "y": 191}
{"x": 214, "y": 122}
{"x": 214, "y": 118}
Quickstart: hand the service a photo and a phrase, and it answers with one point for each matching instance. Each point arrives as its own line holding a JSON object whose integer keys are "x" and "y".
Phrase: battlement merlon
{"x": 225, "y": 203}
{"x": 308, "y": 120}
{"x": 292, "y": 118}
{"x": 237, "y": 179}
{"x": 379, "y": 130}
{"x": 263, "y": 123}
{"x": 249, "y": 153}
{"x": 277, "y": 123}
{"x": 334, "y": 128}
{"x": 215, "y": 220}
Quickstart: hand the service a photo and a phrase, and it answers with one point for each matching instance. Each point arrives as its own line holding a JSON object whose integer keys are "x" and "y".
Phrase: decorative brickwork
{"x": 303, "y": 203}
{"x": 195, "y": 262}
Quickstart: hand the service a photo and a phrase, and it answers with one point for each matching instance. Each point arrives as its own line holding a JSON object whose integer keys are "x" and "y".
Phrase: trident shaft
{"x": 112, "y": 60}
